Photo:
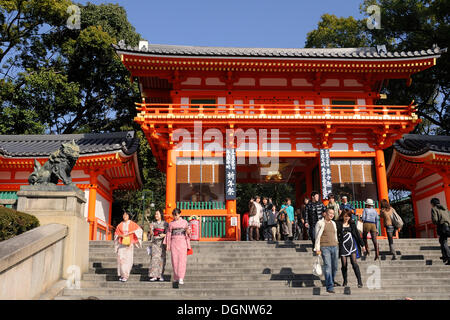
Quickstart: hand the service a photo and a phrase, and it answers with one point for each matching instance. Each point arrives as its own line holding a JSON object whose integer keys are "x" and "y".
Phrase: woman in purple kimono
{"x": 177, "y": 241}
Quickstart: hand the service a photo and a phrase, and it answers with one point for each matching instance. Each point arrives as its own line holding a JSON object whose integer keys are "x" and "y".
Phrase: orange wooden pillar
{"x": 383, "y": 193}
{"x": 91, "y": 206}
{"x": 171, "y": 184}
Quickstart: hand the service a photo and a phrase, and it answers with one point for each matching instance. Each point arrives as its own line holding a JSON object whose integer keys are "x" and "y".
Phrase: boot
{"x": 250, "y": 236}
{"x": 377, "y": 252}
{"x": 358, "y": 275}
{"x": 366, "y": 245}
{"x": 344, "y": 275}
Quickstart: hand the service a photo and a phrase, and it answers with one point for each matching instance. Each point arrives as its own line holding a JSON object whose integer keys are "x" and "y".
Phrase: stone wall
{"x": 31, "y": 263}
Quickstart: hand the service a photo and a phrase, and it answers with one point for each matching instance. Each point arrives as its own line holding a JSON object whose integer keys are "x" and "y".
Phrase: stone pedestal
{"x": 63, "y": 205}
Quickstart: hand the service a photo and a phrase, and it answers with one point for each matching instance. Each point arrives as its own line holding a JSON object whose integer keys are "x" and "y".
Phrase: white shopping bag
{"x": 317, "y": 266}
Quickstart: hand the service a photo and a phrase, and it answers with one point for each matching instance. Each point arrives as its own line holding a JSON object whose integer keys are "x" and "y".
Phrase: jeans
{"x": 312, "y": 234}
{"x": 390, "y": 231}
{"x": 330, "y": 265}
{"x": 444, "y": 244}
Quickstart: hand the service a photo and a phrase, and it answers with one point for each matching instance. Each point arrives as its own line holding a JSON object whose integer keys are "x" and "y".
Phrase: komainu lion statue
{"x": 58, "y": 166}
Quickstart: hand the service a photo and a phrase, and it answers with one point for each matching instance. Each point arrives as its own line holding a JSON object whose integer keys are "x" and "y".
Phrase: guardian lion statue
{"x": 58, "y": 166}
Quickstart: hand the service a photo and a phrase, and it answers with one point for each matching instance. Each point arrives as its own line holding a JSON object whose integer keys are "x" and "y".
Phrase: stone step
{"x": 239, "y": 299}
{"x": 231, "y": 283}
{"x": 271, "y": 270}
{"x": 265, "y": 253}
{"x": 400, "y": 276}
{"x": 225, "y": 292}
{"x": 260, "y": 263}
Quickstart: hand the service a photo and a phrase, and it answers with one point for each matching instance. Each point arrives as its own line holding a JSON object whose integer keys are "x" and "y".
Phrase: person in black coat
{"x": 349, "y": 243}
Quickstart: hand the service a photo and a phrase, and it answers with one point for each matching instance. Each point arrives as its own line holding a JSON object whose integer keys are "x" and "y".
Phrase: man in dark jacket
{"x": 313, "y": 213}
{"x": 441, "y": 218}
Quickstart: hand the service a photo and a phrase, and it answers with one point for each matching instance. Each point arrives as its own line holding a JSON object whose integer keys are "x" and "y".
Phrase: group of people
{"x": 332, "y": 229}
{"x": 163, "y": 236}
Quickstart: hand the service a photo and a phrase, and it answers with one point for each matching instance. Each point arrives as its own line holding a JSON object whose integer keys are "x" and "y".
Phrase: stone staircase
{"x": 261, "y": 270}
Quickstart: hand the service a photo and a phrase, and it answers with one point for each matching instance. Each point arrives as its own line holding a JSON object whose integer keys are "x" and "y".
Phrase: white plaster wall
{"x": 192, "y": 81}
{"x": 5, "y": 175}
{"x": 331, "y": 83}
{"x": 424, "y": 207}
{"x": 103, "y": 181}
{"x": 276, "y": 147}
{"x": 102, "y": 208}
{"x": 428, "y": 180}
{"x": 22, "y": 175}
{"x": 305, "y": 147}
{"x": 339, "y": 147}
{"x": 273, "y": 82}
{"x": 214, "y": 82}
{"x": 362, "y": 147}
{"x": 248, "y": 147}
{"x": 351, "y": 83}
{"x": 245, "y": 82}
{"x": 78, "y": 174}
{"x": 86, "y": 206}
{"x": 300, "y": 82}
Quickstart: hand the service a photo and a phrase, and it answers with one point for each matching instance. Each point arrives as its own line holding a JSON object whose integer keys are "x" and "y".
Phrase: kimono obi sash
{"x": 157, "y": 231}
{"x": 178, "y": 232}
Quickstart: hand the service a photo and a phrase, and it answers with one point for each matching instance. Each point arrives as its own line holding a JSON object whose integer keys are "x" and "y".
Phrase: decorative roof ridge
{"x": 378, "y": 52}
{"x": 16, "y": 145}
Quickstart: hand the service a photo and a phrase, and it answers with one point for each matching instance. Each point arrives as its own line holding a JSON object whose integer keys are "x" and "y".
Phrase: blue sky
{"x": 240, "y": 23}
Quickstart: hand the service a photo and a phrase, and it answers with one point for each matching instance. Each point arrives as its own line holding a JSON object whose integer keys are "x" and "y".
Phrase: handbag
{"x": 445, "y": 229}
{"x": 317, "y": 266}
{"x": 396, "y": 220}
{"x": 126, "y": 241}
{"x": 253, "y": 210}
{"x": 359, "y": 226}
{"x": 190, "y": 252}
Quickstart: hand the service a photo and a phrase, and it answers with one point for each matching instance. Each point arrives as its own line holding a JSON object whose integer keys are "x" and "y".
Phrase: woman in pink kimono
{"x": 178, "y": 242}
{"x": 125, "y": 251}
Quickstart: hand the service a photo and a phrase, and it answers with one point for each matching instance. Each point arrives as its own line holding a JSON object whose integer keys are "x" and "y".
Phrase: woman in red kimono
{"x": 178, "y": 242}
{"x": 125, "y": 250}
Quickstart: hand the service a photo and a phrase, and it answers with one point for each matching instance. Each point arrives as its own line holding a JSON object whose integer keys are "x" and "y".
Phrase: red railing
{"x": 102, "y": 230}
{"x": 429, "y": 227}
{"x": 158, "y": 109}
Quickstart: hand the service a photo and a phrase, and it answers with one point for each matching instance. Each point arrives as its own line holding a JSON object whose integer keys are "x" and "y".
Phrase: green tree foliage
{"x": 334, "y": 32}
{"x": 13, "y": 223}
{"x": 61, "y": 80}
{"x": 406, "y": 25}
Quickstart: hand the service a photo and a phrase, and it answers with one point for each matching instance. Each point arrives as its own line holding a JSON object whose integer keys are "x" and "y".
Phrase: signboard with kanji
{"x": 325, "y": 172}
{"x": 230, "y": 174}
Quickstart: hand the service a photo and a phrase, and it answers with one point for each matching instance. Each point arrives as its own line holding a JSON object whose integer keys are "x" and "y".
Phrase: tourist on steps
{"x": 158, "y": 230}
{"x": 254, "y": 221}
{"x": 350, "y": 244}
{"x": 326, "y": 245}
{"x": 386, "y": 212}
{"x": 313, "y": 213}
{"x": 266, "y": 209}
{"x": 370, "y": 218}
{"x": 289, "y": 210}
{"x": 334, "y": 205}
{"x": 441, "y": 218}
{"x": 177, "y": 241}
{"x": 303, "y": 217}
{"x": 128, "y": 235}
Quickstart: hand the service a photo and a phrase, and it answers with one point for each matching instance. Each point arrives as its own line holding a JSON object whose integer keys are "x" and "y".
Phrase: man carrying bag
{"x": 441, "y": 218}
